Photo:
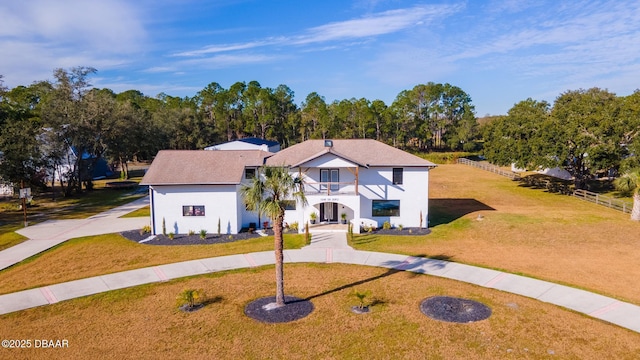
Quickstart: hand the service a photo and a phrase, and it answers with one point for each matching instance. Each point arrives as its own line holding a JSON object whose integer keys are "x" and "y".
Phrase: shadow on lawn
{"x": 444, "y": 211}
{"x": 418, "y": 264}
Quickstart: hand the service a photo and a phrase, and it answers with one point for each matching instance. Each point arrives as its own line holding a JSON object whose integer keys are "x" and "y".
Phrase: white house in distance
{"x": 251, "y": 143}
{"x": 368, "y": 181}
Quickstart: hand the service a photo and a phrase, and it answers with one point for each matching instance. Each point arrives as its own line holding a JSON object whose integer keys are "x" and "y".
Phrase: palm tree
{"x": 630, "y": 183}
{"x": 267, "y": 194}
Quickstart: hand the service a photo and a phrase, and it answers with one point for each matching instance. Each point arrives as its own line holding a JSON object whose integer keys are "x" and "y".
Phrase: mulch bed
{"x": 451, "y": 309}
{"x": 294, "y": 309}
{"x": 397, "y": 231}
{"x": 183, "y": 239}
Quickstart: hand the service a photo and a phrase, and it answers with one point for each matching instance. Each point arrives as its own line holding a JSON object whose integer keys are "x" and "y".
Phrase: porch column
{"x": 357, "y": 180}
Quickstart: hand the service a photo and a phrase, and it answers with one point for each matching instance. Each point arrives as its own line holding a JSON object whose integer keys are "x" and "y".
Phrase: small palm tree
{"x": 267, "y": 193}
{"x": 630, "y": 183}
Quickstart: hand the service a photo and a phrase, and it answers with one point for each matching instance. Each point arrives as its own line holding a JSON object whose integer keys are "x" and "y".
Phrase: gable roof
{"x": 364, "y": 152}
{"x": 179, "y": 167}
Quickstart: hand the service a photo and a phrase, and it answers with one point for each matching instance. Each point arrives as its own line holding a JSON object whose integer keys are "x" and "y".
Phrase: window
{"x": 249, "y": 173}
{"x": 329, "y": 176}
{"x": 385, "y": 208}
{"x": 289, "y": 204}
{"x": 397, "y": 176}
{"x": 193, "y": 210}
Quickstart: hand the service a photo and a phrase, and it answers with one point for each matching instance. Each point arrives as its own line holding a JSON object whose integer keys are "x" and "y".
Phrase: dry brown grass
{"x": 144, "y": 323}
{"x": 548, "y": 236}
{"x": 98, "y": 255}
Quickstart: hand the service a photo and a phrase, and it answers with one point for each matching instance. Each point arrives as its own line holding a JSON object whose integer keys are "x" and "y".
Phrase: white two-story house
{"x": 367, "y": 181}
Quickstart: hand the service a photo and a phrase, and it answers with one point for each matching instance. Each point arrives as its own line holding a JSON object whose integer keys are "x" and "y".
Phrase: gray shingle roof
{"x": 178, "y": 167}
{"x": 364, "y": 152}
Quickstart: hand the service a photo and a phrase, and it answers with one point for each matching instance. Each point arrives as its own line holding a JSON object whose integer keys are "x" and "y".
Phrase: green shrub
{"x": 386, "y": 225}
{"x": 190, "y": 298}
{"x": 171, "y": 235}
{"x": 294, "y": 226}
{"x": 361, "y": 296}
{"x": 191, "y": 232}
{"x": 164, "y": 227}
{"x": 145, "y": 230}
{"x": 203, "y": 234}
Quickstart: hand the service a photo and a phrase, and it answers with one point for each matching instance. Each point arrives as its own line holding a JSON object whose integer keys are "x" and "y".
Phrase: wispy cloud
{"x": 382, "y": 23}
{"x": 378, "y": 24}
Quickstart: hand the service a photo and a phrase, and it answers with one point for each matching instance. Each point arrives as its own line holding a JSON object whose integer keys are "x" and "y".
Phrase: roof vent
{"x": 328, "y": 143}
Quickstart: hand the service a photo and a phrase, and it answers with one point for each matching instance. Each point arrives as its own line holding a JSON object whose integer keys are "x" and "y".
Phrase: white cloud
{"x": 40, "y": 35}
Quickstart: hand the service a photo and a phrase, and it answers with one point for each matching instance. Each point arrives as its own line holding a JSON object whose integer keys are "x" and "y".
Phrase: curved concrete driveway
{"x": 327, "y": 248}
{"x": 50, "y": 233}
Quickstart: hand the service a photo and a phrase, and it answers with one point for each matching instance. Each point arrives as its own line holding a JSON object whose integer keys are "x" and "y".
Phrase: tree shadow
{"x": 212, "y": 300}
{"x": 444, "y": 211}
{"x": 419, "y": 264}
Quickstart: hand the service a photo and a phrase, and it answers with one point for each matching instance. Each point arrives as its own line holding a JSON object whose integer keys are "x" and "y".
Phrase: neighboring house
{"x": 555, "y": 172}
{"x": 247, "y": 144}
{"x": 367, "y": 180}
{"x": 100, "y": 170}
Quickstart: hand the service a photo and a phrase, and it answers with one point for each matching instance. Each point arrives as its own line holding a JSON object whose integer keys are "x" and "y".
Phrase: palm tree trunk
{"x": 279, "y": 245}
{"x": 635, "y": 213}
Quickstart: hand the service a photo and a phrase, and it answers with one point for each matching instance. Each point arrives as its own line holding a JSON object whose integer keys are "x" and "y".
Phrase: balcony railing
{"x": 330, "y": 188}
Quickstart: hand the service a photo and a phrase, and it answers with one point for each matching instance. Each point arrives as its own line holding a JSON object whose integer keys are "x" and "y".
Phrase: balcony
{"x": 331, "y": 188}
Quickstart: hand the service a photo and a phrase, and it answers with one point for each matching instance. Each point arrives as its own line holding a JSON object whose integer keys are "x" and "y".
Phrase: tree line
{"x": 591, "y": 133}
{"x": 42, "y": 122}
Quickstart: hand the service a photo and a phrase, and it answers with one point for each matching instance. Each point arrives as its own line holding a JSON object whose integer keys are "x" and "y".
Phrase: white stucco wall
{"x": 413, "y": 193}
{"x": 220, "y": 202}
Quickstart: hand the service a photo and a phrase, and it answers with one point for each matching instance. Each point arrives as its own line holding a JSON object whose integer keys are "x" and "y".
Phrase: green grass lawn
{"x": 145, "y": 211}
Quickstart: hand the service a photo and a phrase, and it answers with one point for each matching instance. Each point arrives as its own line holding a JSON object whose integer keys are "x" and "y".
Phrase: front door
{"x": 329, "y": 212}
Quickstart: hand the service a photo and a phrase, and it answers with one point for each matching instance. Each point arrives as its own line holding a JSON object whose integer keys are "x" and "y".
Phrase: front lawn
{"x": 97, "y": 255}
{"x": 144, "y": 322}
{"x": 483, "y": 219}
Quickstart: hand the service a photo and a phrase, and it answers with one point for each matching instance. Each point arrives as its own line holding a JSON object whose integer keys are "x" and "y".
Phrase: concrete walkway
{"x": 328, "y": 247}
{"x": 50, "y": 233}
{"x": 328, "y": 240}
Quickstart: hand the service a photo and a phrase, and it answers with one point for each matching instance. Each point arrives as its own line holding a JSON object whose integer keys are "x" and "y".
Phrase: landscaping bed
{"x": 397, "y": 231}
{"x": 185, "y": 239}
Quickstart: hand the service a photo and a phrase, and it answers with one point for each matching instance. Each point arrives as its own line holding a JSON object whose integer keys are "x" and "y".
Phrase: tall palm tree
{"x": 267, "y": 194}
{"x": 630, "y": 183}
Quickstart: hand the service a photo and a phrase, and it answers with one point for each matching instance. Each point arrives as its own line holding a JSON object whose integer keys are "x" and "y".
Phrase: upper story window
{"x": 249, "y": 173}
{"x": 193, "y": 210}
{"x": 397, "y": 176}
{"x": 330, "y": 177}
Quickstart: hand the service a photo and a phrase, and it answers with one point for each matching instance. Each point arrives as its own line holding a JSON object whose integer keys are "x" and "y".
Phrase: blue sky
{"x": 499, "y": 52}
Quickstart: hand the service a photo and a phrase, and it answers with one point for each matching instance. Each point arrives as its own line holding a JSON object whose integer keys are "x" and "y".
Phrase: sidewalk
{"x": 325, "y": 247}
{"x": 50, "y": 233}
{"x": 594, "y": 305}
{"x": 600, "y": 307}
